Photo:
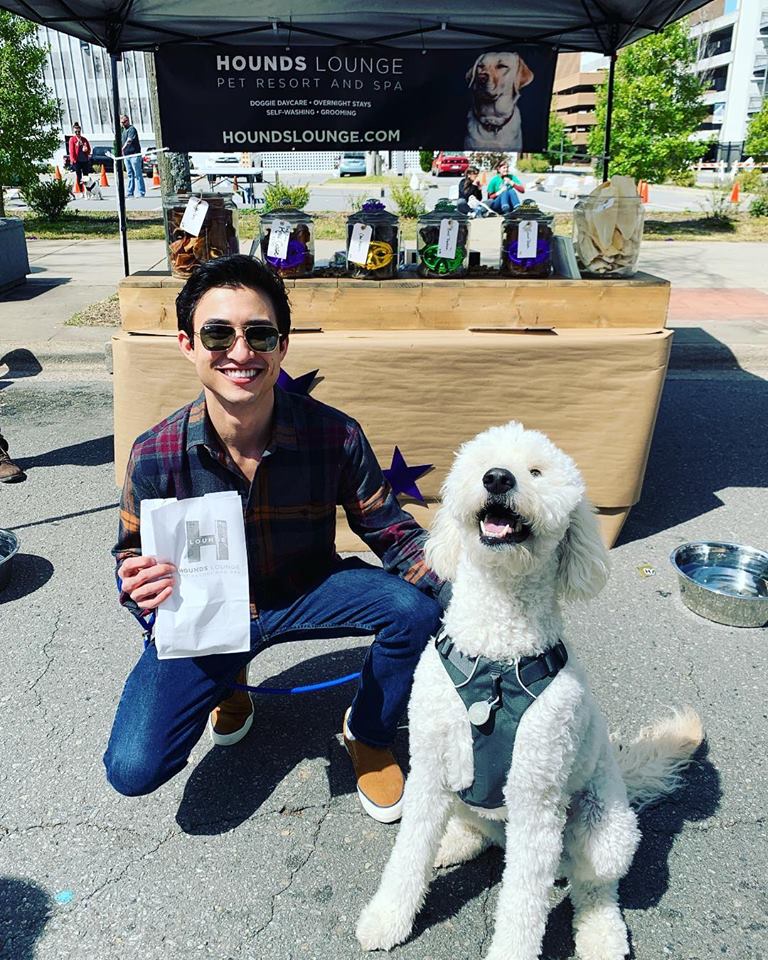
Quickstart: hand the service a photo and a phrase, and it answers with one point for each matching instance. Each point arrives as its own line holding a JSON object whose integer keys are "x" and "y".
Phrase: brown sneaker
{"x": 9, "y": 471}
{"x": 380, "y": 780}
{"x": 232, "y": 719}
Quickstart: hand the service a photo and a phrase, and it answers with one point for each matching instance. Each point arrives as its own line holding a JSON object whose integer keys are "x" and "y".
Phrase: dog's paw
{"x": 601, "y": 934}
{"x": 382, "y": 926}
{"x": 461, "y": 842}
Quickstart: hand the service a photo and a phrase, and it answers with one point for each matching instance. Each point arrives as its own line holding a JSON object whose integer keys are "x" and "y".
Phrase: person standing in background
{"x": 79, "y": 150}
{"x": 132, "y": 156}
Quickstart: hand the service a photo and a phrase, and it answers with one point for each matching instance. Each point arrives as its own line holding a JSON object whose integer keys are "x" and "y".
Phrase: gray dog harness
{"x": 496, "y": 696}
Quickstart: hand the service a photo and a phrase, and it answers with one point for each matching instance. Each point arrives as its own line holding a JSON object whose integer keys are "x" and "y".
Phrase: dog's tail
{"x": 652, "y": 764}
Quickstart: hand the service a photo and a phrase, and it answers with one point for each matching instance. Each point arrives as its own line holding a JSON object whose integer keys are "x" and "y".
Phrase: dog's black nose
{"x": 499, "y": 481}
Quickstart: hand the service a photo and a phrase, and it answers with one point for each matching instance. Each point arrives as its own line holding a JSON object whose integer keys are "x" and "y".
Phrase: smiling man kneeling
{"x": 292, "y": 460}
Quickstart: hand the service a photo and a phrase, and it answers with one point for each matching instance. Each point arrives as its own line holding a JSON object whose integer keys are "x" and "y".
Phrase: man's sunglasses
{"x": 261, "y": 338}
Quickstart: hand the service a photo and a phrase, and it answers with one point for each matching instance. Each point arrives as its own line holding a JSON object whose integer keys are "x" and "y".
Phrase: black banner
{"x": 333, "y": 98}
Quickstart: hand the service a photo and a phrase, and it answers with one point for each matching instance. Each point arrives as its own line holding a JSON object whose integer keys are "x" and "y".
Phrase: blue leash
{"x": 148, "y": 625}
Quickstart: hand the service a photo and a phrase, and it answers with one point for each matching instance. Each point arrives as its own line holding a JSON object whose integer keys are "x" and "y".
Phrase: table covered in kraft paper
{"x": 594, "y": 392}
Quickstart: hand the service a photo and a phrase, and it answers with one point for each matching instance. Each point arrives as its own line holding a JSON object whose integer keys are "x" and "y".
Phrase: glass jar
{"x": 384, "y": 247}
{"x": 431, "y": 264}
{"x": 217, "y": 236}
{"x": 606, "y": 235}
{"x": 526, "y": 242}
{"x": 299, "y": 255}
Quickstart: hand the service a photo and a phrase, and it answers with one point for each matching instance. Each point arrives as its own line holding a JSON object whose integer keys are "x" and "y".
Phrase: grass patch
{"x": 95, "y": 225}
{"x": 103, "y": 313}
{"x": 381, "y": 179}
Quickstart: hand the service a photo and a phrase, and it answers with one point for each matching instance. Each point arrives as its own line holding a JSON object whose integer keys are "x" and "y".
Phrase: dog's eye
{"x": 535, "y": 472}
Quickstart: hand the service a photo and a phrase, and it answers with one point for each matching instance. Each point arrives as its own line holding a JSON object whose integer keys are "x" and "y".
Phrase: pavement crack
{"x": 110, "y": 881}
{"x": 494, "y": 875}
{"x": 294, "y": 872}
{"x": 48, "y": 659}
{"x": 691, "y": 676}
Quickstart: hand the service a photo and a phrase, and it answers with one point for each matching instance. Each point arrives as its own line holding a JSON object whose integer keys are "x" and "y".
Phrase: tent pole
{"x": 119, "y": 167}
{"x": 608, "y": 114}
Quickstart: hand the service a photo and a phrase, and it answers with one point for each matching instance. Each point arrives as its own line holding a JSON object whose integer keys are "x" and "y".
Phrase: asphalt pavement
{"x": 261, "y": 850}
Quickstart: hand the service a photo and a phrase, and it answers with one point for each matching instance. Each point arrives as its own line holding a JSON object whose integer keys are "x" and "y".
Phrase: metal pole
{"x": 119, "y": 168}
{"x": 608, "y": 113}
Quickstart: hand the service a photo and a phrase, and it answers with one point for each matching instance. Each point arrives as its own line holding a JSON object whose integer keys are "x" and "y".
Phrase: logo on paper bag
{"x": 196, "y": 541}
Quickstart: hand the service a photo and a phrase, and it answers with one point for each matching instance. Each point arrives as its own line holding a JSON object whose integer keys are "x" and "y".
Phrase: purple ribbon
{"x": 295, "y": 256}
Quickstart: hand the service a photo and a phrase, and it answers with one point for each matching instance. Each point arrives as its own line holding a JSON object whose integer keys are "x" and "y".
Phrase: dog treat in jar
{"x": 373, "y": 243}
{"x": 526, "y": 242}
{"x": 608, "y": 229}
{"x": 442, "y": 242}
{"x": 199, "y": 227}
{"x": 287, "y": 241}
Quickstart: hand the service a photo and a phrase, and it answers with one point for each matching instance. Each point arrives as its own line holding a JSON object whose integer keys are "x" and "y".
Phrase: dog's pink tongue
{"x": 494, "y": 528}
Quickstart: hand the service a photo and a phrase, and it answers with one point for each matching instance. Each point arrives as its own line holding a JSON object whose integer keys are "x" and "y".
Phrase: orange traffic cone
{"x": 103, "y": 182}
{"x": 735, "y": 191}
{"x": 78, "y": 186}
{"x": 643, "y": 190}
{"x": 155, "y": 177}
{"x": 56, "y": 173}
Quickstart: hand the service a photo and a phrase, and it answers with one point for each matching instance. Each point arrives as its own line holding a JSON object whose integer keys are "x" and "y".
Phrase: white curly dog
{"x": 515, "y": 535}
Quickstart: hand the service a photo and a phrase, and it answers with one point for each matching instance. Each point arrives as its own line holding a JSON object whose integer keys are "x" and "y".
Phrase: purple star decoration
{"x": 300, "y": 385}
{"x": 402, "y": 478}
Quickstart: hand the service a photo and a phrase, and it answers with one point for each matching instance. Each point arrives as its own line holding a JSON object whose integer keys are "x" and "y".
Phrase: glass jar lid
{"x": 213, "y": 199}
{"x": 372, "y": 211}
{"x": 286, "y": 211}
{"x": 444, "y": 210}
{"x": 528, "y": 210}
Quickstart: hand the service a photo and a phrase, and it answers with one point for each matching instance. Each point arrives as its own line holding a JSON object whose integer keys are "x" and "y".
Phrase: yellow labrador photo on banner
{"x": 494, "y": 122}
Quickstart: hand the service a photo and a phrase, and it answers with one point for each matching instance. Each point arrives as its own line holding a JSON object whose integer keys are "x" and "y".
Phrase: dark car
{"x": 100, "y": 159}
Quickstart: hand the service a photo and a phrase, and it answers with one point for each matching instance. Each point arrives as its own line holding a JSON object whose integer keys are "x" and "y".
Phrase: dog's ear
{"x": 524, "y": 74}
{"x": 443, "y": 546}
{"x": 583, "y": 564}
{"x": 470, "y": 77}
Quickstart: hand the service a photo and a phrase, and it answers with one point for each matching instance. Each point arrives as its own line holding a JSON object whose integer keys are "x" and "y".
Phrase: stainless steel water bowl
{"x": 724, "y": 582}
{"x": 9, "y": 547}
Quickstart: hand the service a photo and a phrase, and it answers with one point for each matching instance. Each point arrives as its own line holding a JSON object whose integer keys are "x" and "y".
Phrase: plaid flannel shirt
{"x": 317, "y": 458}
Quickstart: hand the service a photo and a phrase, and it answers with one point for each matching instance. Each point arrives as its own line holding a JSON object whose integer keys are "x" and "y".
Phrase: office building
{"x": 732, "y": 37}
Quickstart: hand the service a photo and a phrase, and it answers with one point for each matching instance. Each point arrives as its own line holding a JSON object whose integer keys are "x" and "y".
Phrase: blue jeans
{"x": 135, "y": 179}
{"x": 165, "y": 704}
{"x": 507, "y": 200}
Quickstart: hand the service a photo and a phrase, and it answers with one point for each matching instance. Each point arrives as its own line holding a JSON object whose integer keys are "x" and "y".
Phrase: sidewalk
{"x": 718, "y": 307}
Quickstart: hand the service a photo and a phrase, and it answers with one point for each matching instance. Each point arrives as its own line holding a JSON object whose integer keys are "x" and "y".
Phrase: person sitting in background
{"x": 503, "y": 189}
{"x": 79, "y": 150}
{"x": 469, "y": 187}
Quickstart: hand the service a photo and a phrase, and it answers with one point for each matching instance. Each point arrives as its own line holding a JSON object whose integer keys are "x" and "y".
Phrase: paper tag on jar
{"x": 194, "y": 215}
{"x": 359, "y": 243}
{"x": 279, "y": 235}
{"x": 449, "y": 235}
{"x": 527, "y": 235}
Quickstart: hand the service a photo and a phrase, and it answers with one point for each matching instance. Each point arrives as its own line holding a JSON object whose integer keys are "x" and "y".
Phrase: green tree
{"x": 560, "y": 149}
{"x": 425, "y": 160}
{"x": 756, "y": 144}
{"x": 29, "y": 115}
{"x": 657, "y": 105}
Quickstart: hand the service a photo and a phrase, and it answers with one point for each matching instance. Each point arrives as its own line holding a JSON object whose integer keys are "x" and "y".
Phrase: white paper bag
{"x": 204, "y": 537}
